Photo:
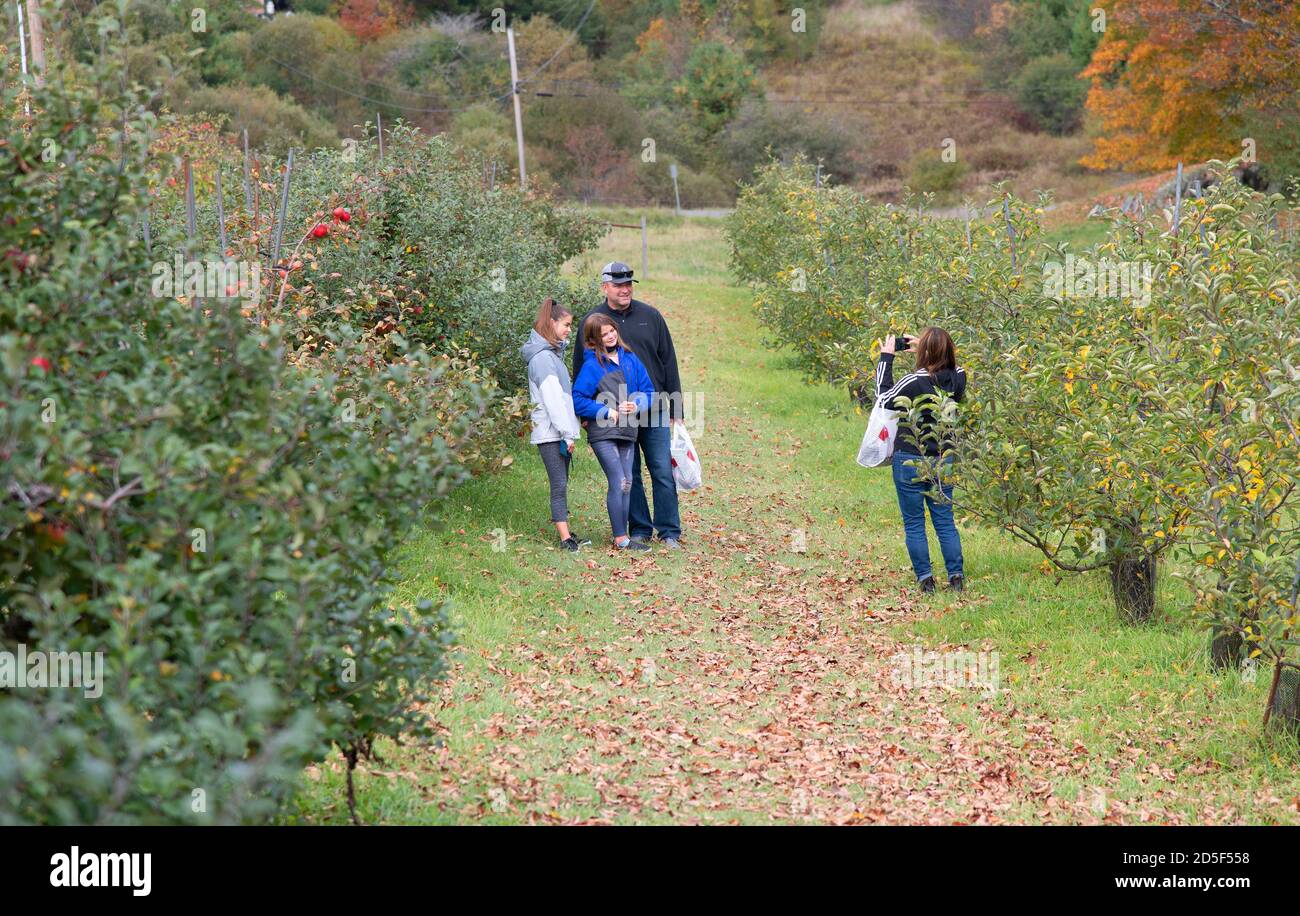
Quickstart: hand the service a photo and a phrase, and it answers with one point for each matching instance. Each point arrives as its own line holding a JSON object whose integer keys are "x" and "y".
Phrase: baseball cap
{"x": 616, "y": 272}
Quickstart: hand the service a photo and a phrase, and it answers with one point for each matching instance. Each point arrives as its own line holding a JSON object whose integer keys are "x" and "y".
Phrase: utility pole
{"x": 22, "y": 53}
{"x": 519, "y": 120}
{"x": 38, "y": 41}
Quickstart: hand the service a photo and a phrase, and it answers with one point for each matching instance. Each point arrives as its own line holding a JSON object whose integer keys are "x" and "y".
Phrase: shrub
{"x": 1224, "y": 327}
{"x": 274, "y": 124}
{"x": 211, "y": 516}
{"x": 578, "y": 140}
{"x": 704, "y": 189}
{"x": 716, "y": 83}
{"x": 647, "y": 73}
{"x": 929, "y": 172}
{"x": 452, "y": 265}
{"x": 767, "y": 28}
{"x": 314, "y": 61}
{"x": 1000, "y": 154}
{"x": 435, "y": 67}
{"x": 698, "y": 189}
{"x": 1277, "y": 135}
{"x": 224, "y": 62}
{"x": 1110, "y": 425}
{"x": 1050, "y": 89}
{"x": 746, "y": 141}
{"x": 540, "y": 41}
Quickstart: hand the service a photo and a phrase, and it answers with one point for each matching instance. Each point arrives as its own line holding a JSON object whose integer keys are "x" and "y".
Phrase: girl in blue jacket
{"x": 612, "y": 394}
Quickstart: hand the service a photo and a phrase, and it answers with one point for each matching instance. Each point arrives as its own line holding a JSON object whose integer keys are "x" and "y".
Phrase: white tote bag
{"x": 878, "y": 441}
{"x": 686, "y": 461}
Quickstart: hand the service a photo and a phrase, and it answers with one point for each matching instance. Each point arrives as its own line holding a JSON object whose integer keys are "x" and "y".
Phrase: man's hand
{"x": 568, "y": 443}
{"x": 627, "y": 407}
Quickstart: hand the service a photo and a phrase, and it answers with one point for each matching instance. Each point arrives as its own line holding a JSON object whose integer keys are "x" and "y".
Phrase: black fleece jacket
{"x": 912, "y": 386}
{"x": 646, "y": 334}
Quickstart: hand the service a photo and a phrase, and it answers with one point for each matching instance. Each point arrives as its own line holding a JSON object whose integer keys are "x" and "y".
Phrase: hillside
{"x": 886, "y": 76}
{"x": 945, "y": 97}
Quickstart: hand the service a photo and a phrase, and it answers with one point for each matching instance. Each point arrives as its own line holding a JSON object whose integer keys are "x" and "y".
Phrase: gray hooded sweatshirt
{"x": 550, "y": 390}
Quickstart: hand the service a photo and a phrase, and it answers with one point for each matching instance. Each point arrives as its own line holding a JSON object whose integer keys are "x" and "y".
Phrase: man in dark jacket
{"x": 646, "y": 334}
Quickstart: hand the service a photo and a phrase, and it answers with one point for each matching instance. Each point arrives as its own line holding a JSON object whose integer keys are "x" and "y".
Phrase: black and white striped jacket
{"x": 912, "y": 386}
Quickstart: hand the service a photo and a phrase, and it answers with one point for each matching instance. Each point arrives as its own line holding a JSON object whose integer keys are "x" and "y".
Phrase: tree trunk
{"x": 1133, "y": 585}
{"x": 1225, "y": 649}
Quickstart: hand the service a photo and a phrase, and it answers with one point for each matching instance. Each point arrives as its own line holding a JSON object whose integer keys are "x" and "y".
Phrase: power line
{"x": 573, "y": 34}
{"x": 869, "y": 102}
{"x": 373, "y": 101}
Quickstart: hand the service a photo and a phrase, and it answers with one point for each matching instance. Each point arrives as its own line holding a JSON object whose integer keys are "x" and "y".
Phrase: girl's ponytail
{"x": 548, "y": 313}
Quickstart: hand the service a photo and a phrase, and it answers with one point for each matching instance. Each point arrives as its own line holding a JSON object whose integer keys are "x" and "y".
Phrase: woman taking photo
{"x": 936, "y": 368}
{"x": 611, "y": 391}
{"x": 555, "y": 428}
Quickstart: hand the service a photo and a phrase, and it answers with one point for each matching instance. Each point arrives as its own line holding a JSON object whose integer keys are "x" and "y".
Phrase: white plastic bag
{"x": 686, "y": 461}
{"x": 878, "y": 441}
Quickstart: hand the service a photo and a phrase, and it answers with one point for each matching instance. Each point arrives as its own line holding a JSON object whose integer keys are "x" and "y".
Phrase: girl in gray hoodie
{"x": 555, "y": 426}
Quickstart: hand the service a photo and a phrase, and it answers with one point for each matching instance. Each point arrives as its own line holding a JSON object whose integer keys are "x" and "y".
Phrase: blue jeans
{"x": 913, "y": 497}
{"x": 656, "y": 444}
{"x": 615, "y": 457}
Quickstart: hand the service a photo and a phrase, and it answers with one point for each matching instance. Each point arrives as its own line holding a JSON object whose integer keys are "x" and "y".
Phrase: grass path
{"x": 749, "y": 678}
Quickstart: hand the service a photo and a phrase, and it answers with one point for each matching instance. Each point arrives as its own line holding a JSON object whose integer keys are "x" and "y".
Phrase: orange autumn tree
{"x": 371, "y": 19}
{"x": 1182, "y": 79}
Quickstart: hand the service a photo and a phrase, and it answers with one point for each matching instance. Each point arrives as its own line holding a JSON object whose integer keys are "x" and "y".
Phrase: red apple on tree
{"x": 20, "y": 259}
{"x": 342, "y": 215}
{"x": 321, "y": 230}
{"x": 40, "y": 362}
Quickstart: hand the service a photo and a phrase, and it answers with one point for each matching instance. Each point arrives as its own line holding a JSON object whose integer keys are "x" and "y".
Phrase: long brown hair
{"x": 592, "y": 332}
{"x": 936, "y": 351}
{"x": 548, "y": 313}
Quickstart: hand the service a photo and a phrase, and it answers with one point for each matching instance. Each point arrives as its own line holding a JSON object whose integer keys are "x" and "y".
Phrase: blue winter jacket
{"x": 601, "y": 386}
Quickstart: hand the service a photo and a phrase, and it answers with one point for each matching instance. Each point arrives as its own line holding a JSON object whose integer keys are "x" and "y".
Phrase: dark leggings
{"x": 557, "y": 472}
{"x": 615, "y": 457}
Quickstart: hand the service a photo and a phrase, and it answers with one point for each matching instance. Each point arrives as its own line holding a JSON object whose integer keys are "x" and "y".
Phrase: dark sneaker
{"x": 927, "y": 584}
{"x": 633, "y": 545}
{"x": 956, "y": 583}
{"x": 671, "y": 543}
{"x": 641, "y": 538}
{"x": 582, "y": 542}
{"x": 571, "y": 544}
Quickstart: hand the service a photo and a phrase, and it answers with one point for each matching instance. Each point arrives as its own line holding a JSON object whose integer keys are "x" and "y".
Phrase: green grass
{"x": 743, "y": 682}
{"x": 1079, "y": 236}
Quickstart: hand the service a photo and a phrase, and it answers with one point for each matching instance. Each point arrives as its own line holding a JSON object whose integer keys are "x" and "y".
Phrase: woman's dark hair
{"x": 936, "y": 351}
{"x": 549, "y": 312}
{"x": 593, "y": 330}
